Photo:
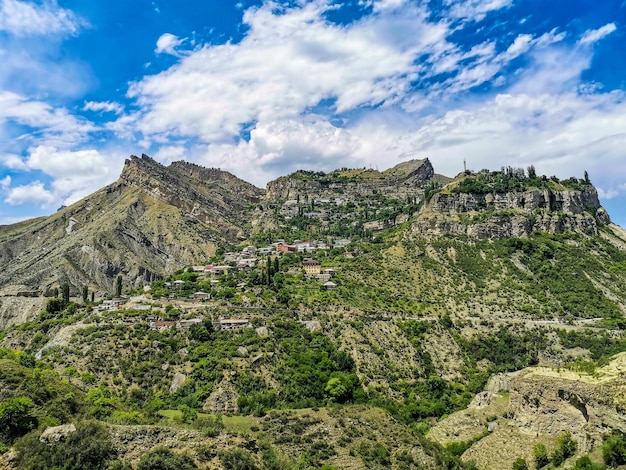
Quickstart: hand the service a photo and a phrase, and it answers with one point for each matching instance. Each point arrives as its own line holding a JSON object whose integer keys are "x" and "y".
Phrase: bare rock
{"x": 57, "y": 433}
{"x": 177, "y": 382}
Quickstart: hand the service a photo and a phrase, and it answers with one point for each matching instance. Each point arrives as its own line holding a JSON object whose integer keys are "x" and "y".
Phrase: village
{"x": 238, "y": 271}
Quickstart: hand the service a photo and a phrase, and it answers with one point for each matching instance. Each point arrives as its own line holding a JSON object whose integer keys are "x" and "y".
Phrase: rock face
{"x": 399, "y": 181}
{"x": 223, "y": 400}
{"x": 549, "y": 403}
{"x": 56, "y": 433}
{"x": 152, "y": 221}
{"x": 513, "y": 214}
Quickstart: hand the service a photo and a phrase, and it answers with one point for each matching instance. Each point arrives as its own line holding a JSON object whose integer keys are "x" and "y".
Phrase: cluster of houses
{"x": 222, "y": 324}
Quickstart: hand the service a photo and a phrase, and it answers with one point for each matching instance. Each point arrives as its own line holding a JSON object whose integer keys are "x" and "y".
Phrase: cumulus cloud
{"x": 24, "y": 18}
{"x": 167, "y": 43}
{"x": 286, "y": 64}
{"x": 594, "y": 35}
{"x": 32, "y": 193}
{"x": 53, "y": 125}
{"x": 13, "y": 162}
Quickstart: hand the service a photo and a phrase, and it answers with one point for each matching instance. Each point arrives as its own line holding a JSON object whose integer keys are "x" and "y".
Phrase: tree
{"x": 237, "y": 459}
{"x": 85, "y": 294}
{"x": 587, "y": 177}
{"x": 15, "y": 418}
{"x": 118, "y": 286}
{"x": 65, "y": 292}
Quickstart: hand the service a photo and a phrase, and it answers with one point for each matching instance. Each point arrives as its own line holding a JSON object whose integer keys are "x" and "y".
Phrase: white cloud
{"x": 32, "y": 193}
{"x": 103, "y": 106}
{"x": 168, "y": 43}
{"x": 13, "y": 162}
{"x": 170, "y": 153}
{"x": 24, "y": 18}
{"x": 5, "y": 182}
{"x": 592, "y": 36}
{"x": 474, "y": 10}
{"x": 285, "y": 65}
{"x": 54, "y": 125}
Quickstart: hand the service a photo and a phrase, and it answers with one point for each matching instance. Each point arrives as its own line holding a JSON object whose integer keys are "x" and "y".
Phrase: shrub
{"x": 614, "y": 449}
{"x": 541, "y": 455}
{"x": 88, "y": 447}
{"x": 161, "y": 458}
{"x": 237, "y": 459}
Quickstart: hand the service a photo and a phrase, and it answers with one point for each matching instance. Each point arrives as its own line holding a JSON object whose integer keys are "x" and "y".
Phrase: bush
{"x": 88, "y": 447}
{"x": 614, "y": 449}
{"x": 161, "y": 458}
{"x": 541, "y": 455}
{"x": 520, "y": 464}
{"x": 237, "y": 459}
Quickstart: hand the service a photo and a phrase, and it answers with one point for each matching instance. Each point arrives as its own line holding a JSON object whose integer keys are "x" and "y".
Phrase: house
{"x": 110, "y": 304}
{"x": 330, "y": 285}
{"x": 162, "y": 325}
{"x": 201, "y": 295}
{"x": 178, "y": 283}
{"x": 218, "y": 270}
{"x": 186, "y": 324}
{"x": 305, "y": 247}
{"x": 234, "y": 324}
{"x": 283, "y": 248}
{"x": 311, "y": 267}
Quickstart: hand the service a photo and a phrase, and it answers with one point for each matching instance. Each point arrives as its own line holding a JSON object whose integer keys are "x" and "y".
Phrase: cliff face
{"x": 152, "y": 221}
{"x": 511, "y": 214}
{"x": 547, "y": 402}
{"x": 399, "y": 181}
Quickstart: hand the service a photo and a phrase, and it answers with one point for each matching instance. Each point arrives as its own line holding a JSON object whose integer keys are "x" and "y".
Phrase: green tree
{"x": 520, "y": 464}
{"x": 85, "y": 294}
{"x": 237, "y": 459}
{"x": 118, "y": 286}
{"x": 88, "y": 447}
{"x": 65, "y": 292}
{"x": 16, "y": 418}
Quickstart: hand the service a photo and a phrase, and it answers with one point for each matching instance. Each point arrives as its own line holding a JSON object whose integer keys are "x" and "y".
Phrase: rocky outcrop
{"x": 544, "y": 401}
{"x": 515, "y": 214}
{"x": 223, "y": 399}
{"x": 149, "y": 223}
{"x": 398, "y": 181}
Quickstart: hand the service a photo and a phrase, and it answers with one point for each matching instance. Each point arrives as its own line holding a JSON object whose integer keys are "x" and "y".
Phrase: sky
{"x": 264, "y": 88}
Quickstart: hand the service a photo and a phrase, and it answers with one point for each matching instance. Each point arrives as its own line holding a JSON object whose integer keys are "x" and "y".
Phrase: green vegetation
{"x": 515, "y": 180}
{"x": 87, "y": 447}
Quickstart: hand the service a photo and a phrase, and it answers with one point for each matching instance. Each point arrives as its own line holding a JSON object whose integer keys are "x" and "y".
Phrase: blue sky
{"x": 263, "y": 88}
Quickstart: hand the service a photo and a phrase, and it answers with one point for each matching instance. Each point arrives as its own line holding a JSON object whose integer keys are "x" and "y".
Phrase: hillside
{"x": 501, "y": 291}
{"x": 149, "y": 223}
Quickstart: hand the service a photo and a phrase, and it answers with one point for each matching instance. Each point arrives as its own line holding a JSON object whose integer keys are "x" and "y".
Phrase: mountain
{"x": 152, "y": 221}
{"x": 470, "y": 321}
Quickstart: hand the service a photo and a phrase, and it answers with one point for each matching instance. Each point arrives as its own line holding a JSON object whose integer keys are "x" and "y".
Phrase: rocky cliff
{"x": 152, "y": 221}
{"x": 550, "y": 402}
{"x": 496, "y": 214}
{"x": 399, "y": 181}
